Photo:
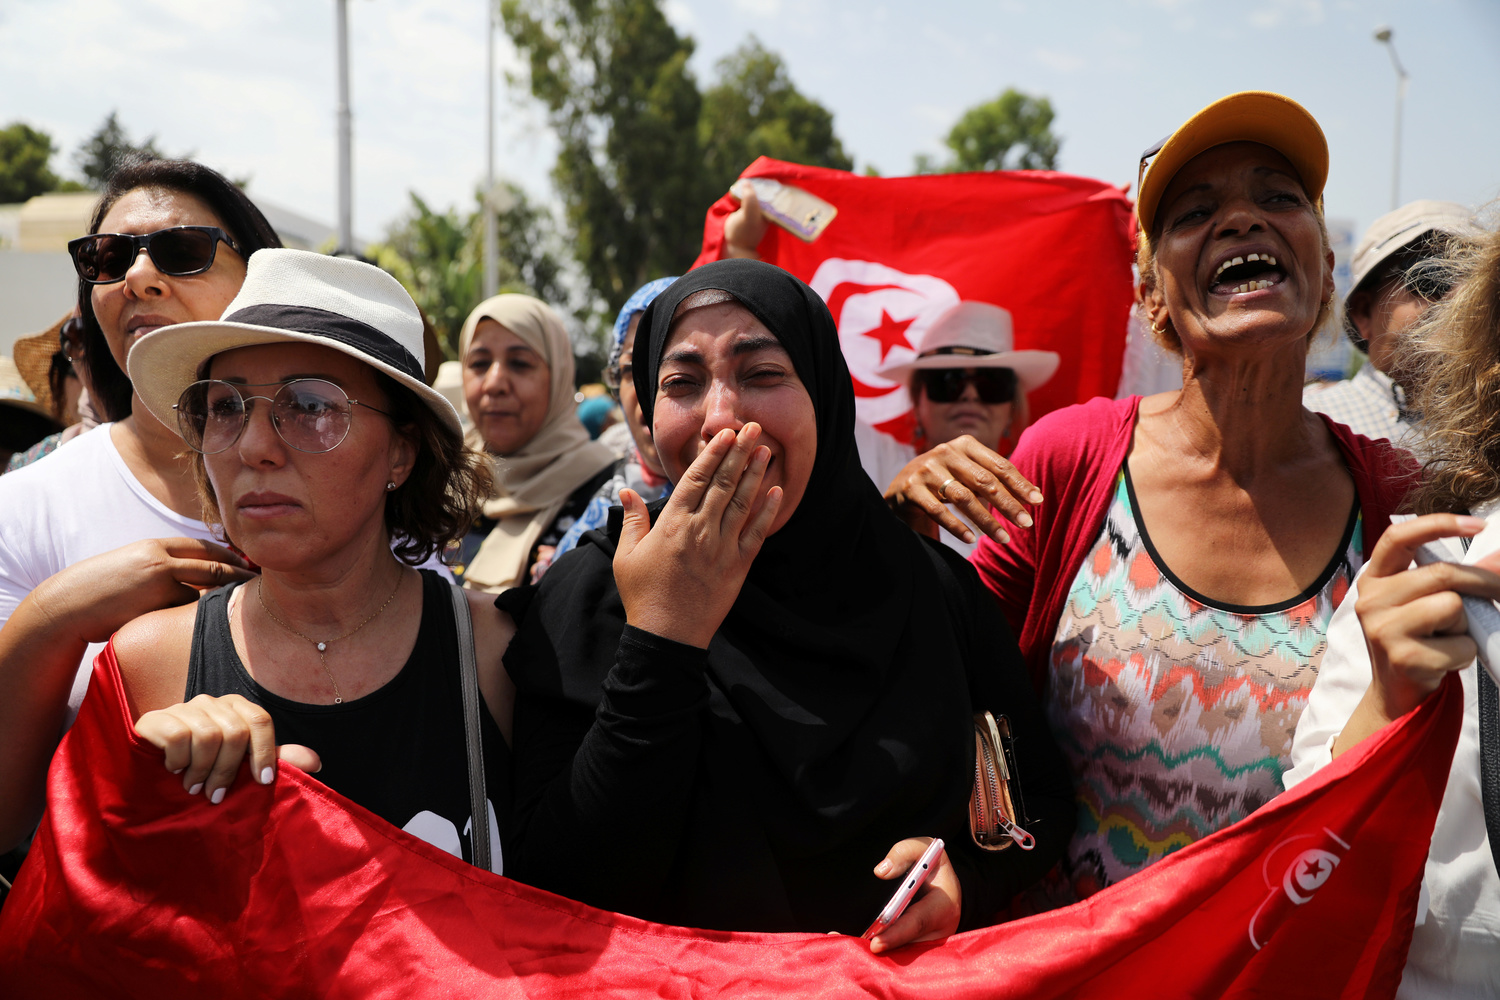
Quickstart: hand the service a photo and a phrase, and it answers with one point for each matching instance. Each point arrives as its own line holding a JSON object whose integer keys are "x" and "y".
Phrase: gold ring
{"x": 943, "y": 489}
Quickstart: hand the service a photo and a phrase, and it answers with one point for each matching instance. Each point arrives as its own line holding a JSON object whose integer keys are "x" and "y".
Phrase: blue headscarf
{"x": 637, "y": 303}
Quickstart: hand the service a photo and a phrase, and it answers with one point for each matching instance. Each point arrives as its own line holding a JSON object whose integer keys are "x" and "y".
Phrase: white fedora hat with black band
{"x": 975, "y": 335}
{"x": 295, "y": 296}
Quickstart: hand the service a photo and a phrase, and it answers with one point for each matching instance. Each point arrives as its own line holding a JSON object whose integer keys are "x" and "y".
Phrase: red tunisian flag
{"x": 1053, "y": 249}
{"x": 134, "y": 889}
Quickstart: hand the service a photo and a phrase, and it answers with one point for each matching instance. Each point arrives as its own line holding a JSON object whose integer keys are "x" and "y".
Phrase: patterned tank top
{"x": 1175, "y": 712}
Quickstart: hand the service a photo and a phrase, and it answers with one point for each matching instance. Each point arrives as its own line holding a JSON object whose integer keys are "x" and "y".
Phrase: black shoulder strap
{"x": 1489, "y": 753}
{"x": 1489, "y": 758}
{"x": 469, "y": 685}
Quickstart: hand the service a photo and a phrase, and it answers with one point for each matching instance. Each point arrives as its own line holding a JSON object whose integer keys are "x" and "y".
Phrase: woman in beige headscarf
{"x": 518, "y": 384}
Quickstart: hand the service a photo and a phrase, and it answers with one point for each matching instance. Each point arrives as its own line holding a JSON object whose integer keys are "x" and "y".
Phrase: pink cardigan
{"x": 1073, "y": 456}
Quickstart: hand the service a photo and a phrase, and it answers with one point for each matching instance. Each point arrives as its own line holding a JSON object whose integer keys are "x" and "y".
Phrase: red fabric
{"x": 1073, "y": 457}
{"x": 134, "y": 889}
{"x": 1052, "y": 248}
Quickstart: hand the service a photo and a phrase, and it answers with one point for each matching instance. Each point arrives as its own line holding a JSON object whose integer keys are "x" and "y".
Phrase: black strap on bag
{"x": 1489, "y": 752}
{"x": 1489, "y": 758}
{"x": 479, "y": 803}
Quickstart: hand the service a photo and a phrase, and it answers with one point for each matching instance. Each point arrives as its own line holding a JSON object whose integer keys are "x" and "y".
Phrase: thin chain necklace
{"x": 338, "y": 696}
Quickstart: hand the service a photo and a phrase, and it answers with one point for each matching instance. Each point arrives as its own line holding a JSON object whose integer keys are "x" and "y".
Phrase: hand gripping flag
{"x": 1053, "y": 249}
{"x": 134, "y": 889}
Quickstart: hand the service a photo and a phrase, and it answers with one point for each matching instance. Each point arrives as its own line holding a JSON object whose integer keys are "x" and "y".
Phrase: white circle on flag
{"x": 881, "y": 317}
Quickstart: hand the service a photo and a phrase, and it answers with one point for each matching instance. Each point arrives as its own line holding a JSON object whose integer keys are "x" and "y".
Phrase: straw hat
{"x": 295, "y": 296}
{"x": 14, "y": 391}
{"x": 33, "y": 359}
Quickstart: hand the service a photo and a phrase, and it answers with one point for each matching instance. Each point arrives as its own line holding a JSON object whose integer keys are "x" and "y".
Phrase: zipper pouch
{"x": 997, "y": 806}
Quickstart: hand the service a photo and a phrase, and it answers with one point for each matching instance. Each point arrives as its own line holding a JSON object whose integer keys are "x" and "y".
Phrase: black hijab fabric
{"x": 823, "y": 638}
{"x": 839, "y": 713}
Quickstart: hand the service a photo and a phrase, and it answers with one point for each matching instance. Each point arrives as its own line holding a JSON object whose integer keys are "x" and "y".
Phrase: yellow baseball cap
{"x": 1249, "y": 116}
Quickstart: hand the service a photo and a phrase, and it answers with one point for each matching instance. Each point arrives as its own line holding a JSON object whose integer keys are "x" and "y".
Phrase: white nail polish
{"x": 196, "y": 789}
{"x": 217, "y": 796}
{"x": 267, "y": 775}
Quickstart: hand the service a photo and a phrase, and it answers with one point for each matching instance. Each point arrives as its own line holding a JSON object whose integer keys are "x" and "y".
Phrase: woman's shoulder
{"x": 1075, "y": 436}
{"x": 153, "y": 652}
{"x": 1382, "y": 471}
{"x": 1097, "y": 414}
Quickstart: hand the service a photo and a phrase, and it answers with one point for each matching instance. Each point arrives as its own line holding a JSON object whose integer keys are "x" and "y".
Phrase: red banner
{"x": 1053, "y": 249}
{"x": 134, "y": 889}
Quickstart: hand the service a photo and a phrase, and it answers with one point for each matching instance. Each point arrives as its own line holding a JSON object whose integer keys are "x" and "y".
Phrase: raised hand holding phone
{"x": 928, "y": 902}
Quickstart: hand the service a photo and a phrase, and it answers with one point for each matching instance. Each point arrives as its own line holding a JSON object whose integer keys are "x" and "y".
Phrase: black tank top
{"x": 398, "y": 751}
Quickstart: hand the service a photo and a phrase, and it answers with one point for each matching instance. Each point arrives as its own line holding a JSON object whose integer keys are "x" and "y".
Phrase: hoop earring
{"x": 1160, "y": 331}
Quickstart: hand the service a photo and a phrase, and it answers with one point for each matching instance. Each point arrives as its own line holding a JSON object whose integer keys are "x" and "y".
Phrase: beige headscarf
{"x": 532, "y": 484}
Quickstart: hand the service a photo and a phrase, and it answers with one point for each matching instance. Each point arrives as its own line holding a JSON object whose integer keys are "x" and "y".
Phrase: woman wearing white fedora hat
{"x": 316, "y": 443}
{"x": 968, "y": 379}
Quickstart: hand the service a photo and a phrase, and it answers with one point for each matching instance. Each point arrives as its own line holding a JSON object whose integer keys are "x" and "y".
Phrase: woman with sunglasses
{"x": 1173, "y": 591}
{"x": 321, "y": 451}
{"x": 167, "y": 244}
{"x": 968, "y": 380}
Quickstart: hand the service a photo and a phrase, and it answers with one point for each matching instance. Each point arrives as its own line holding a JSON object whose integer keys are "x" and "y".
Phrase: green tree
{"x": 439, "y": 258}
{"x": 25, "y": 164}
{"x": 24, "y": 156}
{"x": 613, "y": 76}
{"x": 103, "y": 151}
{"x": 1012, "y": 132}
{"x": 755, "y": 110}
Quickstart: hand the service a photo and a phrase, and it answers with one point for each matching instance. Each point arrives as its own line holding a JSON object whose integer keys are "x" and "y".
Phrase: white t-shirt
{"x": 78, "y": 502}
{"x": 1455, "y": 948}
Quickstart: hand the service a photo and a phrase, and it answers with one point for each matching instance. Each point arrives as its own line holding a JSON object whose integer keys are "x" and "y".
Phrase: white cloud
{"x": 1275, "y": 13}
{"x": 1063, "y": 62}
{"x": 759, "y": 8}
{"x": 679, "y": 15}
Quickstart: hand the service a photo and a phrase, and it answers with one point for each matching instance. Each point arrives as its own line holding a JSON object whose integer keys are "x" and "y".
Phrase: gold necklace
{"x": 322, "y": 644}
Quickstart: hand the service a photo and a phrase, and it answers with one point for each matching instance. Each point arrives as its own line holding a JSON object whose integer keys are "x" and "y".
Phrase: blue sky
{"x": 248, "y": 85}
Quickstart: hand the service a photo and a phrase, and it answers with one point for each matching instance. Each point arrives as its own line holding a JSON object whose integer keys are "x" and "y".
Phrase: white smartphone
{"x": 799, "y": 212}
{"x": 914, "y": 879}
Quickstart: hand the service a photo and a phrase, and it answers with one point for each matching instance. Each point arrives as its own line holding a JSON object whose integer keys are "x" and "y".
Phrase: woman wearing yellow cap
{"x": 1173, "y": 592}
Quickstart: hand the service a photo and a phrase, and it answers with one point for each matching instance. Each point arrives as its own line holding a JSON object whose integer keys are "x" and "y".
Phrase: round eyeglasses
{"x": 311, "y": 415}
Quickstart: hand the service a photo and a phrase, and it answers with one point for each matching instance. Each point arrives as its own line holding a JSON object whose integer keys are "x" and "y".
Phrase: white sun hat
{"x": 295, "y": 296}
{"x": 976, "y": 335}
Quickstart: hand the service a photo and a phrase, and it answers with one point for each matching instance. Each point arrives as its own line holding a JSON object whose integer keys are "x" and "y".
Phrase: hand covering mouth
{"x": 1246, "y": 273}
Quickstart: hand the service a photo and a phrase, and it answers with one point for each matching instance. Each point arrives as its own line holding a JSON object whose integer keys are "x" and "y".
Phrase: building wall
{"x": 37, "y": 289}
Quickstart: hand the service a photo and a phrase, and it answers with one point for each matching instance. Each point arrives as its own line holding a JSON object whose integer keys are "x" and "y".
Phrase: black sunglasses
{"x": 1428, "y": 279}
{"x": 1146, "y": 158}
{"x": 946, "y": 385}
{"x": 103, "y": 258}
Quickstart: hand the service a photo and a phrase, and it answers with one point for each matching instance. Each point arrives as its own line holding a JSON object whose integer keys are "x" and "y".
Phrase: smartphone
{"x": 799, "y": 212}
{"x": 914, "y": 879}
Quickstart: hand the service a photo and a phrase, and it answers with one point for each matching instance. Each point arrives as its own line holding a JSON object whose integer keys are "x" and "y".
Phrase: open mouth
{"x": 1248, "y": 273}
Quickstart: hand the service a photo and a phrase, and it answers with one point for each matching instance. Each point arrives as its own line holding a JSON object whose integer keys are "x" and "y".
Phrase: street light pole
{"x": 346, "y": 172}
{"x": 487, "y": 204}
{"x": 1383, "y": 35}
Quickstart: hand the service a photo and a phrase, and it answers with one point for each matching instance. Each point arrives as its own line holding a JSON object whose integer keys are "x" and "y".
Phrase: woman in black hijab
{"x": 737, "y": 740}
